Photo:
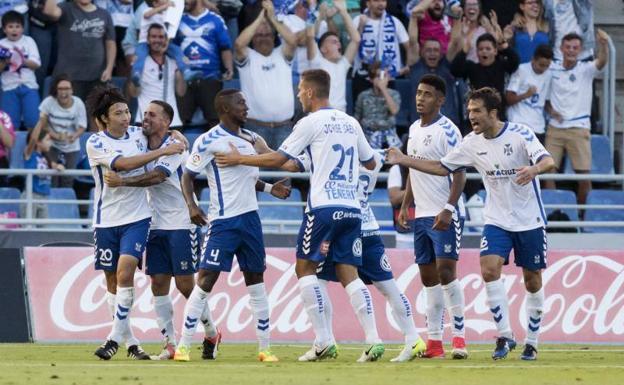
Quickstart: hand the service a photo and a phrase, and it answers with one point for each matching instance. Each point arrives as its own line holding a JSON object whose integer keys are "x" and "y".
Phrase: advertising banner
{"x": 584, "y": 293}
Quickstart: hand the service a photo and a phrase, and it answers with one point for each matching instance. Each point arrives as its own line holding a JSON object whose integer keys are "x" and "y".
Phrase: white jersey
{"x": 570, "y": 93}
{"x": 336, "y": 145}
{"x": 529, "y": 111}
{"x": 232, "y": 189}
{"x": 432, "y": 142}
{"x": 169, "y": 211}
{"x": 116, "y": 206}
{"x": 508, "y": 205}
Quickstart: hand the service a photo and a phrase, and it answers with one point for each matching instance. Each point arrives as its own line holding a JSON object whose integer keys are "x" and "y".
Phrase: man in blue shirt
{"x": 206, "y": 45}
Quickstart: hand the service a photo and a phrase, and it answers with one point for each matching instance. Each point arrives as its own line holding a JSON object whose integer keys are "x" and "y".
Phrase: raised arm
{"x": 290, "y": 39}
{"x": 52, "y": 10}
{"x": 354, "y": 35}
{"x": 311, "y": 47}
{"x": 413, "y": 53}
{"x": 242, "y": 41}
{"x": 603, "y": 49}
{"x": 420, "y": 9}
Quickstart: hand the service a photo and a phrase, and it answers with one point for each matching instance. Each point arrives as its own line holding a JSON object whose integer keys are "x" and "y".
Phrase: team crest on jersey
{"x": 183, "y": 265}
{"x": 572, "y": 78}
{"x": 357, "y": 248}
{"x": 385, "y": 263}
{"x": 507, "y": 150}
{"x": 139, "y": 145}
{"x": 448, "y": 248}
{"x": 427, "y": 140}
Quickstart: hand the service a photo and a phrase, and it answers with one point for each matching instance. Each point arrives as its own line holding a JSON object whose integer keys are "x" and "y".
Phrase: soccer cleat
{"x": 136, "y": 352}
{"x": 107, "y": 350}
{"x": 211, "y": 346}
{"x": 410, "y": 352}
{"x": 459, "y": 348}
{"x": 182, "y": 353}
{"x": 434, "y": 349}
{"x": 503, "y": 346}
{"x": 167, "y": 353}
{"x": 373, "y": 353}
{"x": 329, "y": 351}
{"x": 267, "y": 356}
{"x": 529, "y": 353}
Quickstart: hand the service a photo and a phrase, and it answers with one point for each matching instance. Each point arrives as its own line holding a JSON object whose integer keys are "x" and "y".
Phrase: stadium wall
{"x": 14, "y": 314}
{"x": 584, "y": 299}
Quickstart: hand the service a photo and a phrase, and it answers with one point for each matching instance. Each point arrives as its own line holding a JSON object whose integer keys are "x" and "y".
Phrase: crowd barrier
{"x": 584, "y": 299}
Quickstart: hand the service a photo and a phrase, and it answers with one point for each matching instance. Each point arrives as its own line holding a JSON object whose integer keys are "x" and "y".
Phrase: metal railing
{"x": 281, "y": 225}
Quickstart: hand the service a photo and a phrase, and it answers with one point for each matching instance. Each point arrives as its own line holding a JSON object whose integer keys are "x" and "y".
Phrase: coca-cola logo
{"x": 70, "y": 299}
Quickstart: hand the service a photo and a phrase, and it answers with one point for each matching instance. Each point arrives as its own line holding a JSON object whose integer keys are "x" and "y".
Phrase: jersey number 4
{"x": 337, "y": 173}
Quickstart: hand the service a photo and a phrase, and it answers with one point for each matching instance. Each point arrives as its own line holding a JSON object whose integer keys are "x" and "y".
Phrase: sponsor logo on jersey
{"x": 357, "y": 247}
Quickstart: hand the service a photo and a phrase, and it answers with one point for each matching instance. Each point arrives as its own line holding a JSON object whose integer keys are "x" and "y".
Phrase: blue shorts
{"x": 332, "y": 228}
{"x": 430, "y": 244}
{"x": 375, "y": 265}
{"x": 172, "y": 252}
{"x": 240, "y": 235}
{"x": 529, "y": 246}
{"x": 111, "y": 242}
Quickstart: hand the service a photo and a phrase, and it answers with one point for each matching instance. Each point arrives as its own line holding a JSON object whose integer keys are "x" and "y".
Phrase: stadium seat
{"x": 382, "y": 213}
{"x": 232, "y": 83}
{"x": 604, "y": 197}
{"x": 9, "y": 193}
{"x": 205, "y": 196}
{"x": 280, "y": 212}
{"x": 566, "y": 197}
{"x": 602, "y": 161}
{"x": 17, "y": 152}
{"x": 64, "y": 210}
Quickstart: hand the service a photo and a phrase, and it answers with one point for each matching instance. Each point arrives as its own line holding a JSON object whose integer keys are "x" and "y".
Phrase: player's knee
{"x": 125, "y": 278}
{"x": 532, "y": 281}
{"x": 490, "y": 273}
{"x": 207, "y": 280}
{"x": 447, "y": 274}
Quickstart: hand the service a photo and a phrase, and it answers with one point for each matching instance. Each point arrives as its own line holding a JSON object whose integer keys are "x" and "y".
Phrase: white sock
{"x": 499, "y": 306}
{"x": 435, "y": 312}
{"x": 401, "y": 309}
{"x": 329, "y": 309}
{"x": 260, "y": 307}
{"x": 535, "y": 310}
{"x": 210, "y": 329}
{"x": 362, "y": 304}
{"x": 164, "y": 317}
{"x": 129, "y": 336}
{"x": 192, "y": 312}
{"x": 314, "y": 305}
{"x": 121, "y": 320}
{"x": 454, "y": 301}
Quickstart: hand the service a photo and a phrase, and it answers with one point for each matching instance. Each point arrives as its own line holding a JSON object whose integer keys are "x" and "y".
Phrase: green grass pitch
{"x": 72, "y": 364}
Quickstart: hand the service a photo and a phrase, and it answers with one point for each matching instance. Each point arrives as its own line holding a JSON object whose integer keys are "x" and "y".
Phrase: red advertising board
{"x": 584, "y": 299}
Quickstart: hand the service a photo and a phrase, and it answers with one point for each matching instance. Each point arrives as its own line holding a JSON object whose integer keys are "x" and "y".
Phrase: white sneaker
{"x": 410, "y": 352}
{"x": 315, "y": 354}
{"x": 373, "y": 353}
{"x": 167, "y": 353}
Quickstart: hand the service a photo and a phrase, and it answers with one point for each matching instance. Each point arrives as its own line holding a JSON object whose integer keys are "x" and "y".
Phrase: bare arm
{"x": 603, "y": 51}
{"x": 111, "y": 52}
{"x": 354, "y": 35}
{"x": 242, "y": 41}
{"x": 382, "y": 85}
{"x": 180, "y": 84}
{"x": 433, "y": 167}
{"x": 456, "y": 41}
{"x": 311, "y": 47}
{"x": 528, "y": 173}
{"x": 290, "y": 39}
{"x": 52, "y": 10}
{"x": 552, "y": 112}
{"x": 273, "y": 159}
{"x": 132, "y": 162}
{"x": 420, "y": 9}
{"x": 408, "y": 201}
{"x": 195, "y": 213}
{"x": 150, "y": 178}
{"x": 34, "y": 137}
{"x": 152, "y": 11}
{"x": 413, "y": 53}
{"x": 226, "y": 59}
{"x": 513, "y": 98}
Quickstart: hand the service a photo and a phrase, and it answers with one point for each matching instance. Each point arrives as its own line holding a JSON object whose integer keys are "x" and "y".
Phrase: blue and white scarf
{"x": 386, "y": 37}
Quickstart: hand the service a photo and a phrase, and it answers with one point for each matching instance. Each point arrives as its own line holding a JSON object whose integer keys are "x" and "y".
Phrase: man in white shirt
{"x": 266, "y": 75}
{"x": 336, "y": 145}
{"x": 234, "y": 226}
{"x": 569, "y": 107}
{"x": 161, "y": 78}
{"x": 509, "y": 157}
{"x": 439, "y": 217}
{"x": 527, "y": 91}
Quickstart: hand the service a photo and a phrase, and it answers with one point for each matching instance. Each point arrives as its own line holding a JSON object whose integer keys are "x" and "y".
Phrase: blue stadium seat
{"x": 604, "y": 197}
{"x": 566, "y": 197}
{"x": 17, "y": 152}
{"x": 233, "y": 83}
{"x": 191, "y": 136}
{"x": 64, "y": 210}
{"x": 205, "y": 196}
{"x": 382, "y": 213}
{"x": 9, "y": 193}
{"x": 281, "y": 212}
{"x": 602, "y": 161}
{"x": 349, "y": 97}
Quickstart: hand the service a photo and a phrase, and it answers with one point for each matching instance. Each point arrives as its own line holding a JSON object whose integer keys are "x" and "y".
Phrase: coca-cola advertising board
{"x": 584, "y": 299}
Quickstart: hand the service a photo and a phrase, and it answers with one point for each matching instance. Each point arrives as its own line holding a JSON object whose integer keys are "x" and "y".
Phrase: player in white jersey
{"x": 375, "y": 269}
{"x": 234, "y": 225}
{"x": 439, "y": 220}
{"x": 173, "y": 240}
{"x": 509, "y": 158}
{"x": 121, "y": 215}
{"x": 336, "y": 145}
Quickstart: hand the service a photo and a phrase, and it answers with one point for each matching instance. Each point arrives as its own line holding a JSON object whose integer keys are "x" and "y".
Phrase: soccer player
{"x": 173, "y": 240}
{"x": 234, "y": 227}
{"x": 375, "y": 269}
{"x": 121, "y": 217}
{"x": 439, "y": 216}
{"x": 509, "y": 158}
{"x": 336, "y": 145}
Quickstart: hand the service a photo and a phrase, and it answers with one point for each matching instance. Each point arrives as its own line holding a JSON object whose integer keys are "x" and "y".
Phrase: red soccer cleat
{"x": 434, "y": 349}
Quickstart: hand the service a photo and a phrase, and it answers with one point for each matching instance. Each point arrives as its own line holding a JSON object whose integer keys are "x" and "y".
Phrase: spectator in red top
{"x": 433, "y": 23}
{"x": 7, "y": 137}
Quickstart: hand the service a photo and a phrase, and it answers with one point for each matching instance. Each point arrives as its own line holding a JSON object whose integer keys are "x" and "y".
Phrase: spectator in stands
{"x": 229, "y": 11}
{"x": 131, "y": 37}
{"x": 206, "y": 45}
{"x": 327, "y": 54}
{"x": 43, "y": 31}
{"x": 20, "y": 91}
{"x": 569, "y": 107}
{"x": 428, "y": 59}
{"x": 36, "y": 157}
{"x": 570, "y": 16}
{"x": 505, "y": 9}
{"x": 63, "y": 116}
{"x": 160, "y": 78}
{"x": 473, "y": 24}
{"x": 7, "y": 138}
{"x": 382, "y": 35}
{"x": 527, "y": 91}
{"x": 86, "y": 43}
{"x": 266, "y": 76}
{"x": 121, "y": 12}
{"x": 528, "y": 30}
{"x": 376, "y": 108}
{"x": 433, "y": 23}
{"x": 336, "y": 23}
{"x": 496, "y": 60}
{"x": 296, "y": 22}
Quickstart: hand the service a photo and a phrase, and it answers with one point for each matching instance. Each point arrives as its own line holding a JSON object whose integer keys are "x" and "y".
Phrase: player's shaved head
{"x": 224, "y": 100}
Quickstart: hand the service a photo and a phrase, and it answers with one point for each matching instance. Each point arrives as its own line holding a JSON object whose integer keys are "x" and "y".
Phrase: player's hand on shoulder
{"x": 443, "y": 220}
{"x": 225, "y": 159}
{"x": 526, "y": 174}
{"x": 281, "y": 189}
{"x": 174, "y": 148}
{"x": 393, "y": 155}
{"x": 112, "y": 179}
{"x": 177, "y": 135}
